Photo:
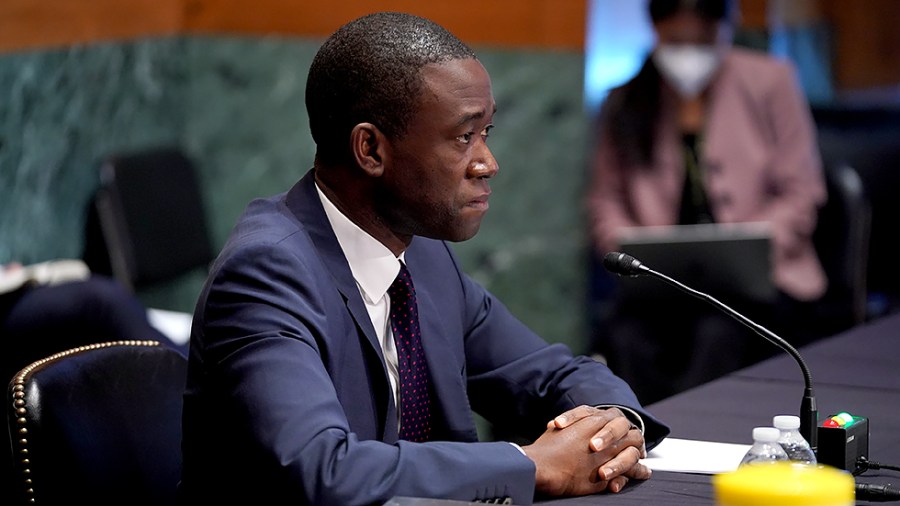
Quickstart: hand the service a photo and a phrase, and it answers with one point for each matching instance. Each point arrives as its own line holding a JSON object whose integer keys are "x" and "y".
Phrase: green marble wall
{"x": 236, "y": 106}
{"x": 61, "y": 111}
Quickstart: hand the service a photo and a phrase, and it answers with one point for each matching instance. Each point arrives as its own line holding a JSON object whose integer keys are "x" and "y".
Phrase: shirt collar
{"x": 373, "y": 265}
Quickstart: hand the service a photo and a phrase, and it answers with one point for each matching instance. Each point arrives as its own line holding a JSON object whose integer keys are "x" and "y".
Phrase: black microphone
{"x": 626, "y": 265}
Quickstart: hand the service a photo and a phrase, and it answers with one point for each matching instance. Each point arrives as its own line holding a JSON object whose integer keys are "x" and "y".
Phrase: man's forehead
{"x": 458, "y": 76}
{"x": 461, "y": 87}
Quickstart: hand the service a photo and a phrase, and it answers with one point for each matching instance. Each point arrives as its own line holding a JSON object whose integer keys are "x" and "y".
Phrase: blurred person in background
{"x": 52, "y": 306}
{"x": 706, "y": 133}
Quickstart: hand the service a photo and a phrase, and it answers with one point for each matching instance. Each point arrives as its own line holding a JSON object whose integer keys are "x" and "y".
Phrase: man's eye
{"x": 466, "y": 137}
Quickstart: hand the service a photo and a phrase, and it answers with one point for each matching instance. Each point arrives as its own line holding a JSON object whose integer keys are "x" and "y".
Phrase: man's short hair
{"x": 369, "y": 70}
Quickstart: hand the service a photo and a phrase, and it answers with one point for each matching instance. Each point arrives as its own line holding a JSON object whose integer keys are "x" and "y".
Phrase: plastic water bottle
{"x": 796, "y": 447}
{"x": 765, "y": 449}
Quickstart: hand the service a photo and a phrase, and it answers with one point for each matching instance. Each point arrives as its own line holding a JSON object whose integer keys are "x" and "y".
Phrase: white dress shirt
{"x": 374, "y": 268}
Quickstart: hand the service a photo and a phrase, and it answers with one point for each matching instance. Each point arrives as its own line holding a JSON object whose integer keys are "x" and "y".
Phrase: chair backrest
{"x": 865, "y": 137}
{"x": 98, "y": 424}
{"x": 150, "y": 215}
{"x": 842, "y": 242}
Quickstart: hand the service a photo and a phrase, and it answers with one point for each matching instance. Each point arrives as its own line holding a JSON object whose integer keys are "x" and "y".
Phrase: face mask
{"x": 688, "y": 68}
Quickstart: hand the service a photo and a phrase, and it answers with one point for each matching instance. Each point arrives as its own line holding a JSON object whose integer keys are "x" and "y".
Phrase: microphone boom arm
{"x": 625, "y": 265}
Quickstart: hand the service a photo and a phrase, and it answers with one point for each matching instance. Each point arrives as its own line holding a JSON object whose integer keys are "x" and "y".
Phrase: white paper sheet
{"x": 174, "y": 324}
{"x": 691, "y": 456}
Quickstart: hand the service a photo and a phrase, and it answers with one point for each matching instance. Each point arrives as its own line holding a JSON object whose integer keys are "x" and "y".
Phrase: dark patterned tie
{"x": 415, "y": 394}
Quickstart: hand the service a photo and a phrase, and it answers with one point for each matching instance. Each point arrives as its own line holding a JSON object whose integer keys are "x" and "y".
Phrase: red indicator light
{"x": 840, "y": 420}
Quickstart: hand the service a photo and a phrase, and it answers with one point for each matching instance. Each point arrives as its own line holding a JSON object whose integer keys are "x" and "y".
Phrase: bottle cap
{"x": 766, "y": 434}
{"x": 786, "y": 422}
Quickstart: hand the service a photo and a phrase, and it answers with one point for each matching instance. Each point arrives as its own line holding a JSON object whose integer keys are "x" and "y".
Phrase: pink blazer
{"x": 762, "y": 162}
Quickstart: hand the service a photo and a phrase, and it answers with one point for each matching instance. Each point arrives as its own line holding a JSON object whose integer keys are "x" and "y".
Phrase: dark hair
{"x": 633, "y": 109}
{"x": 630, "y": 115}
{"x": 369, "y": 71}
{"x": 715, "y": 10}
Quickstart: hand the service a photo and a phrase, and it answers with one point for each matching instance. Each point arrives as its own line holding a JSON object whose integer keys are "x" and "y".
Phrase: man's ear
{"x": 368, "y": 145}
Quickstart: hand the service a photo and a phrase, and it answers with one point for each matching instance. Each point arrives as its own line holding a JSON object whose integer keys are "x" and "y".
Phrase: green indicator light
{"x": 846, "y": 418}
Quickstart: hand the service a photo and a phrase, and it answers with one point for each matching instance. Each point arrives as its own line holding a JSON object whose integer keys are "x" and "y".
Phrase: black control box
{"x": 842, "y": 446}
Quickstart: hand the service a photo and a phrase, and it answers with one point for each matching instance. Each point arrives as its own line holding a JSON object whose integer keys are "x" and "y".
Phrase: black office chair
{"x": 147, "y": 224}
{"x": 842, "y": 242}
{"x": 865, "y": 137}
{"x": 98, "y": 424}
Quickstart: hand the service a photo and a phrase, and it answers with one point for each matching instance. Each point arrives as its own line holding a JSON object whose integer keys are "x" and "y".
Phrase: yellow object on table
{"x": 784, "y": 484}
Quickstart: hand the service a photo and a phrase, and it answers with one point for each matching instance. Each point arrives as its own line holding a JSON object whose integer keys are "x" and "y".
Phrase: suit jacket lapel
{"x": 303, "y": 201}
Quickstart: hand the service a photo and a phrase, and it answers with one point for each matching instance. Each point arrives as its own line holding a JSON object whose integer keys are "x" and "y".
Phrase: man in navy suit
{"x": 292, "y": 392}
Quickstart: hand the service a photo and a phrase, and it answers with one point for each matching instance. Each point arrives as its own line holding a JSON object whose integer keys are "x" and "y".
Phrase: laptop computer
{"x": 730, "y": 262}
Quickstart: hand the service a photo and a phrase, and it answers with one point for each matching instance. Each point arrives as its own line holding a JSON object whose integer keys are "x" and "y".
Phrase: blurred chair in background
{"x": 842, "y": 242}
{"x": 865, "y": 138}
{"x": 148, "y": 223}
{"x": 98, "y": 424}
{"x": 53, "y": 306}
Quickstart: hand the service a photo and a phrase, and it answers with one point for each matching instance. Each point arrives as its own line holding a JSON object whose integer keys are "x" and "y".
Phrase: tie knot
{"x": 402, "y": 285}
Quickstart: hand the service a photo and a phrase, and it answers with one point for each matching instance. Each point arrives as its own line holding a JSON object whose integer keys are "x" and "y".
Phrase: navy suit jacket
{"x": 288, "y": 399}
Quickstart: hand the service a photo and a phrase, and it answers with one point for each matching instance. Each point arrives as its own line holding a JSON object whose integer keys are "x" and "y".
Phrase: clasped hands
{"x": 587, "y": 450}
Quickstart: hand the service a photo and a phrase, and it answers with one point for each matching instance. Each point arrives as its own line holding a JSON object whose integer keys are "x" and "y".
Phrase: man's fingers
{"x": 571, "y": 416}
{"x": 623, "y": 464}
{"x": 611, "y": 433}
{"x": 639, "y": 472}
{"x": 617, "y": 484}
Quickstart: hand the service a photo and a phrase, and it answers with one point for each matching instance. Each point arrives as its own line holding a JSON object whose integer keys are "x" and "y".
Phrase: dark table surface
{"x": 857, "y": 371}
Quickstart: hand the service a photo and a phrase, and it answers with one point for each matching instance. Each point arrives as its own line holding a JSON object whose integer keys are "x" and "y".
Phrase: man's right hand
{"x": 597, "y": 452}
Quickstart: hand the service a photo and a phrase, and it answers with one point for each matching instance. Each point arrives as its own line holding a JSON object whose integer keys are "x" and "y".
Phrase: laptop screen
{"x": 728, "y": 261}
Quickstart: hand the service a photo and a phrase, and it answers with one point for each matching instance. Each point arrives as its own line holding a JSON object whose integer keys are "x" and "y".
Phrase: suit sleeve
{"x": 519, "y": 381}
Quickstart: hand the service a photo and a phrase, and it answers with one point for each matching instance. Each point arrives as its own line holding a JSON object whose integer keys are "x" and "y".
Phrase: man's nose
{"x": 484, "y": 165}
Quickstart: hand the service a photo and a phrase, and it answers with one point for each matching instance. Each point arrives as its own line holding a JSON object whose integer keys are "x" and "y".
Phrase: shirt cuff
{"x": 519, "y": 448}
{"x": 629, "y": 413}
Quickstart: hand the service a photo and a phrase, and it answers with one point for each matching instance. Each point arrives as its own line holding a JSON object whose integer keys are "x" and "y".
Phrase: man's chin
{"x": 468, "y": 233}
{"x": 458, "y": 234}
